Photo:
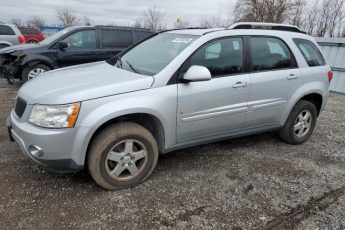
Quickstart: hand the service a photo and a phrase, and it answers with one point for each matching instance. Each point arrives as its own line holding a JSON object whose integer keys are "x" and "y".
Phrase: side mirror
{"x": 62, "y": 45}
{"x": 197, "y": 73}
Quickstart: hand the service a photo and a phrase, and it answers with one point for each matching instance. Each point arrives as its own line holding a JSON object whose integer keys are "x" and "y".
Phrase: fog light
{"x": 35, "y": 151}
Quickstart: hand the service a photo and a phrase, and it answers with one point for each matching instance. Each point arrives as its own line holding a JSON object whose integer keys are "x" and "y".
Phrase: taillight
{"x": 330, "y": 76}
{"x": 21, "y": 39}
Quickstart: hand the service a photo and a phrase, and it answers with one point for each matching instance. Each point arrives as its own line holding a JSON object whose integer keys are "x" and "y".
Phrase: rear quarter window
{"x": 310, "y": 52}
{"x": 6, "y": 30}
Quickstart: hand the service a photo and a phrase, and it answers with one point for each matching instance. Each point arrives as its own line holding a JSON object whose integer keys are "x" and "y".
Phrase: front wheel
{"x": 300, "y": 123}
{"x": 122, "y": 156}
{"x": 31, "y": 72}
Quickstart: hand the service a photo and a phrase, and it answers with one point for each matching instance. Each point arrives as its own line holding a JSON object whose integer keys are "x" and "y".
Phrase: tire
{"x": 298, "y": 128}
{"x": 32, "y": 42}
{"x": 27, "y": 70}
{"x": 113, "y": 141}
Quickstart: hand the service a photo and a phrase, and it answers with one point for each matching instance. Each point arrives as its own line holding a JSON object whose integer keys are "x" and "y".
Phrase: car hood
{"x": 82, "y": 82}
{"x": 12, "y": 49}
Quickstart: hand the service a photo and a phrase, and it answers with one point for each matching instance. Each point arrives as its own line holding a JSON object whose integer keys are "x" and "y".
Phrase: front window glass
{"x": 55, "y": 36}
{"x": 221, "y": 57}
{"x": 152, "y": 55}
{"x": 81, "y": 40}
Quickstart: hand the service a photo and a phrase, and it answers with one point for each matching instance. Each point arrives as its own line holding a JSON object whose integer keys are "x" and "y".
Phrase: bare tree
{"x": 337, "y": 16}
{"x": 66, "y": 17}
{"x": 324, "y": 18}
{"x": 297, "y": 14}
{"x": 36, "y": 21}
{"x": 152, "y": 19}
{"x": 181, "y": 24}
{"x": 266, "y": 10}
{"x": 87, "y": 21}
{"x": 311, "y": 17}
{"x": 138, "y": 23}
{"x": 214, "y": 21}
{"x": 17, "y": 21}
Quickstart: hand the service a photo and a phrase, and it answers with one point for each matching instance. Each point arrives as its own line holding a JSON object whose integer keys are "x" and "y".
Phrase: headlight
{"x": 55, "y": 116}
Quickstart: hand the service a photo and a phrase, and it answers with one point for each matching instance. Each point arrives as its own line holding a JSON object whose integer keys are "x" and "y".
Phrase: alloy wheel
{"x": 35, "y": 72}
{"x": 126, "y": 159}
{"x": 303, "y": 123}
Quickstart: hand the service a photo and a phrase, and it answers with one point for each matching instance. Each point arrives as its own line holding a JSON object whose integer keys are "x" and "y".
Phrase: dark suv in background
{"x": 71, "y": 46}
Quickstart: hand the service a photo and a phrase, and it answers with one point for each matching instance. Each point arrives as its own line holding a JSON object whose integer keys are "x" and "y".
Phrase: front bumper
{"x": 9, "y": 67}
{"x": 58, "y": 145}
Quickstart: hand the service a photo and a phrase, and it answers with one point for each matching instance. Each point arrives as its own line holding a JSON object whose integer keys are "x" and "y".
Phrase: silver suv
{"x": 174, "y": 90}
{"x": 10, "y": 35}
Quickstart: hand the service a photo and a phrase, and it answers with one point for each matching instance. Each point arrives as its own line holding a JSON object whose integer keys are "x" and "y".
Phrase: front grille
{"x": 20, "y": 107}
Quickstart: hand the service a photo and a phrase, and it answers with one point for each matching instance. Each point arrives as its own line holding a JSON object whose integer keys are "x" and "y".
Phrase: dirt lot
{"x": 256, "y": 182}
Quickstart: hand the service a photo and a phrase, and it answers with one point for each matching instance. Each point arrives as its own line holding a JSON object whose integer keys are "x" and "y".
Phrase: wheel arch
{"x": 314, "y": 97}
{"x": 147, "y": 120}
{"x": 31, "y": 60}
{"x": 5, "y": 43}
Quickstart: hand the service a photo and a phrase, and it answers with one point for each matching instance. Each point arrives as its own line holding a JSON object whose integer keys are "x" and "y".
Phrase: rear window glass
{"x": 310, "y": 52}
{"x": 116, "y": 38}
{"x": 28, "y": 30}
{"x": 269, "y": 53}
{"x": 6, "y": 30}
{"x": 142, "y": 34}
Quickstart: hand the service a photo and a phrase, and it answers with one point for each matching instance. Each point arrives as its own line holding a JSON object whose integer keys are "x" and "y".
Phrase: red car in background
{"x": 31, "y": 34}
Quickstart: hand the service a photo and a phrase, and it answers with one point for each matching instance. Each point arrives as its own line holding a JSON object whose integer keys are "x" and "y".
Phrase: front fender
{"x": 32, "y": 60}
{"x": 159, "y": 102}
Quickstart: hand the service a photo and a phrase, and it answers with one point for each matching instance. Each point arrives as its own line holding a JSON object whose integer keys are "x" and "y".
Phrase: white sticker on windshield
{"x": 182, "y": 40}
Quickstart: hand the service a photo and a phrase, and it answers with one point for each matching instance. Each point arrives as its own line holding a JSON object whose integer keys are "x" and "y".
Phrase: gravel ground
{"x": 257, "y": 182}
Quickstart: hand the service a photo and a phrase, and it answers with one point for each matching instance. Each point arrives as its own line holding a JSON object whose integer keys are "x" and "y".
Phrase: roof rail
{"x": 189, "y": 28}
{"x": 265, "y": 26}
{"x": 121, "y": 27}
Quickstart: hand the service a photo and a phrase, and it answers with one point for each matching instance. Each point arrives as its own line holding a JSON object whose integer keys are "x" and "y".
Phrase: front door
{"x": 217, "y": 106}
{"x": 82, "y": 48}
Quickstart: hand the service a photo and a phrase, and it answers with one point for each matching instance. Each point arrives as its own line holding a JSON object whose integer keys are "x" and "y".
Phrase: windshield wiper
{"x": 131, "y": 66}
{"x": 119, "y": 61}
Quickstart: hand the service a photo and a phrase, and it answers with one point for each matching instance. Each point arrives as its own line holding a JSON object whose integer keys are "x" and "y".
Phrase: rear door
{"x": 218, "y": 106}
{"x": 274, "y": 79}
{"x": 113, "y": 41}
{"x": 82, "y": 48}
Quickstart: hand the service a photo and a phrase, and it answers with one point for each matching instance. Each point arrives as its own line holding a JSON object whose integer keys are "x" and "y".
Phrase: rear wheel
{"x": 30, "y": 72}
{"x": 300, "y": 123}
{"x": 122, "y": 155}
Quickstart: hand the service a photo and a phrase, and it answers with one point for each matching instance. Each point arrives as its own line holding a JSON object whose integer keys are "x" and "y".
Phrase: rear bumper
{"x": 57, "y": 145}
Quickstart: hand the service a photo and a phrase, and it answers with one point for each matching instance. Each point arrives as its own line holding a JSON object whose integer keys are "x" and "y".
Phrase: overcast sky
{"x": 120, "y": 12}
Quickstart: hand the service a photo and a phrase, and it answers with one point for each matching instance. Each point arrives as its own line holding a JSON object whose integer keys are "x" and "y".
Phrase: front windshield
{"x": 53, "y": 37}
{"x": 152, "y": 55}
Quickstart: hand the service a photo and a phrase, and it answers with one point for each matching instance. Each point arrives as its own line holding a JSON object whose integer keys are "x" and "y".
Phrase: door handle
{"x": 292, "y": 77}
{"x": 239, "y": 85}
